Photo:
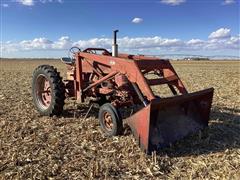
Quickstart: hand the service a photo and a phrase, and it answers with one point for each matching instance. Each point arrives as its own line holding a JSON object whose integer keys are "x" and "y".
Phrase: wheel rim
{"x": 43, "y": 92}
{"x": 107, "y": 120}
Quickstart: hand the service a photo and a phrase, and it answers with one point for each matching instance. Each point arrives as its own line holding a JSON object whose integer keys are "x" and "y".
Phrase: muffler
{"x": 114, "y": 45}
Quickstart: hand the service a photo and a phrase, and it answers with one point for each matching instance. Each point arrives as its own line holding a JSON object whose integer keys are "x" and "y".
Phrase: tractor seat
{"x": 67, "y": 60}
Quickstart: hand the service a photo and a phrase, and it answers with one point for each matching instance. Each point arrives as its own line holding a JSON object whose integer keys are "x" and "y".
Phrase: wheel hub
{"x": 108, "y": 122}
{"x": 43, "y": 92}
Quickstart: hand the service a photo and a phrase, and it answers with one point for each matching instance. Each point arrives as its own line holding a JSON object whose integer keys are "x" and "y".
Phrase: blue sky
{"x": 46, "y": 28}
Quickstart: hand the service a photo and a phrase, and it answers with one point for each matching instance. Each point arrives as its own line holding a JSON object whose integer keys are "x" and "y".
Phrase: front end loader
{"x": 122, "y": 86}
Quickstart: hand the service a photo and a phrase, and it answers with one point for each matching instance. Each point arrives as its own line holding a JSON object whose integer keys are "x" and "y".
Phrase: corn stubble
{"x": 70, "y": 147}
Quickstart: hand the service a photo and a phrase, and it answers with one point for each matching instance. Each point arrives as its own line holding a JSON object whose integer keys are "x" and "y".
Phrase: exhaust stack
{"x": 114, "y": 45}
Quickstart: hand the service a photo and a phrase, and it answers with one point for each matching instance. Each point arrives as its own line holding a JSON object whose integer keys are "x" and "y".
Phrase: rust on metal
{"x": 160, "y": 121}
{"x": 122, "y": 80}
{"x": 43, "y": 93}
{"x": 171, "y": 119}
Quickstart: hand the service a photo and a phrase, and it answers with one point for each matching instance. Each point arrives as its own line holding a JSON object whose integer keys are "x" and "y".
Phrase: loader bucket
{"x": 164, "y": 121}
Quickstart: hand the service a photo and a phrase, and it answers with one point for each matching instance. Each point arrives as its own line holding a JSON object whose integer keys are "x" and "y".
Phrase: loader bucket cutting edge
{"x": 166, "y": 120}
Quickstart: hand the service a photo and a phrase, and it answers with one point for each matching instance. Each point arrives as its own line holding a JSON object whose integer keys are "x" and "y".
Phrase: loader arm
{"x": 133, "y": 68}
{"x": 127, "y": 67}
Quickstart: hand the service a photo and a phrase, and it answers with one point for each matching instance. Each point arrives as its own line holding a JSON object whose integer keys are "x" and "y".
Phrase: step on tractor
{"x": 122, "y": 86}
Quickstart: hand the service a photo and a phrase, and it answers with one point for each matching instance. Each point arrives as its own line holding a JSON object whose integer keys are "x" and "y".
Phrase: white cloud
{"x": 5, "y": 5}
{"x": 32, "y": 2}
{"x": 220, "y": 33}
{"x": 234, "y": 42}
{"x": 96, "y": 42}
{"x": 63, "y": 43}
{"x": 195, "y": 42}
{"x": 137, "y": 44}
{"x": 227, "y": 2}
{"x": 46, "y": 1}
{"x": 173, "y": 2}
{"x": 26, "y": 2}
{"x": 36, "y": 44}
{"x": 137, "y": 20}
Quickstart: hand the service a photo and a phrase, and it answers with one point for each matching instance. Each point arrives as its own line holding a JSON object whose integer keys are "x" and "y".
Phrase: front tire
{"x": 48, "y": 91}
{"x": 110, "y": 120}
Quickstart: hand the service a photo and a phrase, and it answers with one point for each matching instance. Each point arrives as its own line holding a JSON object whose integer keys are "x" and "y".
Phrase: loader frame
{"x": 132, "y": 66}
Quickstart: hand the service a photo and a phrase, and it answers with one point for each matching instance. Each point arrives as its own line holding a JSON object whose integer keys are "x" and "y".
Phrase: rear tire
{"x": 110, "y": 120}
{"x": 48, "y": 91}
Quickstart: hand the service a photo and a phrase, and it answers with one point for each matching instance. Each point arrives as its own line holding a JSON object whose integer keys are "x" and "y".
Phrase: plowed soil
{"x": 71, "y": 147}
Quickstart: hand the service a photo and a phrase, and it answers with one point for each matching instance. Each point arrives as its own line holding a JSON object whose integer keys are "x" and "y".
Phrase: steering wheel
{"x": 93, "y": 51}
{"x": 72, "y": 51}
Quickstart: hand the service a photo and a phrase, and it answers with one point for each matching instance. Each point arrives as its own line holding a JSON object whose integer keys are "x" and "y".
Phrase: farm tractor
{"x": 122, "y": 86}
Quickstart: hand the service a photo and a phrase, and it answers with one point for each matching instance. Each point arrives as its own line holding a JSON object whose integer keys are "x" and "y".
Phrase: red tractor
{"x": 121, "y": 83}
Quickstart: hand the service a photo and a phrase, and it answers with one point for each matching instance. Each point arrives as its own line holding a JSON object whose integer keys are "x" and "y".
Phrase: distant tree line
{"x": 196, "y": 59}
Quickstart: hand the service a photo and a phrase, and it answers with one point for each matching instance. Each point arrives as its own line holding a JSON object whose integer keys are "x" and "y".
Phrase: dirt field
{"x": 72, "y": 148}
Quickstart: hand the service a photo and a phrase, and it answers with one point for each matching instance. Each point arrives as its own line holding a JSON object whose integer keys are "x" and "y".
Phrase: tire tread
{"x": 58, "y": 90}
